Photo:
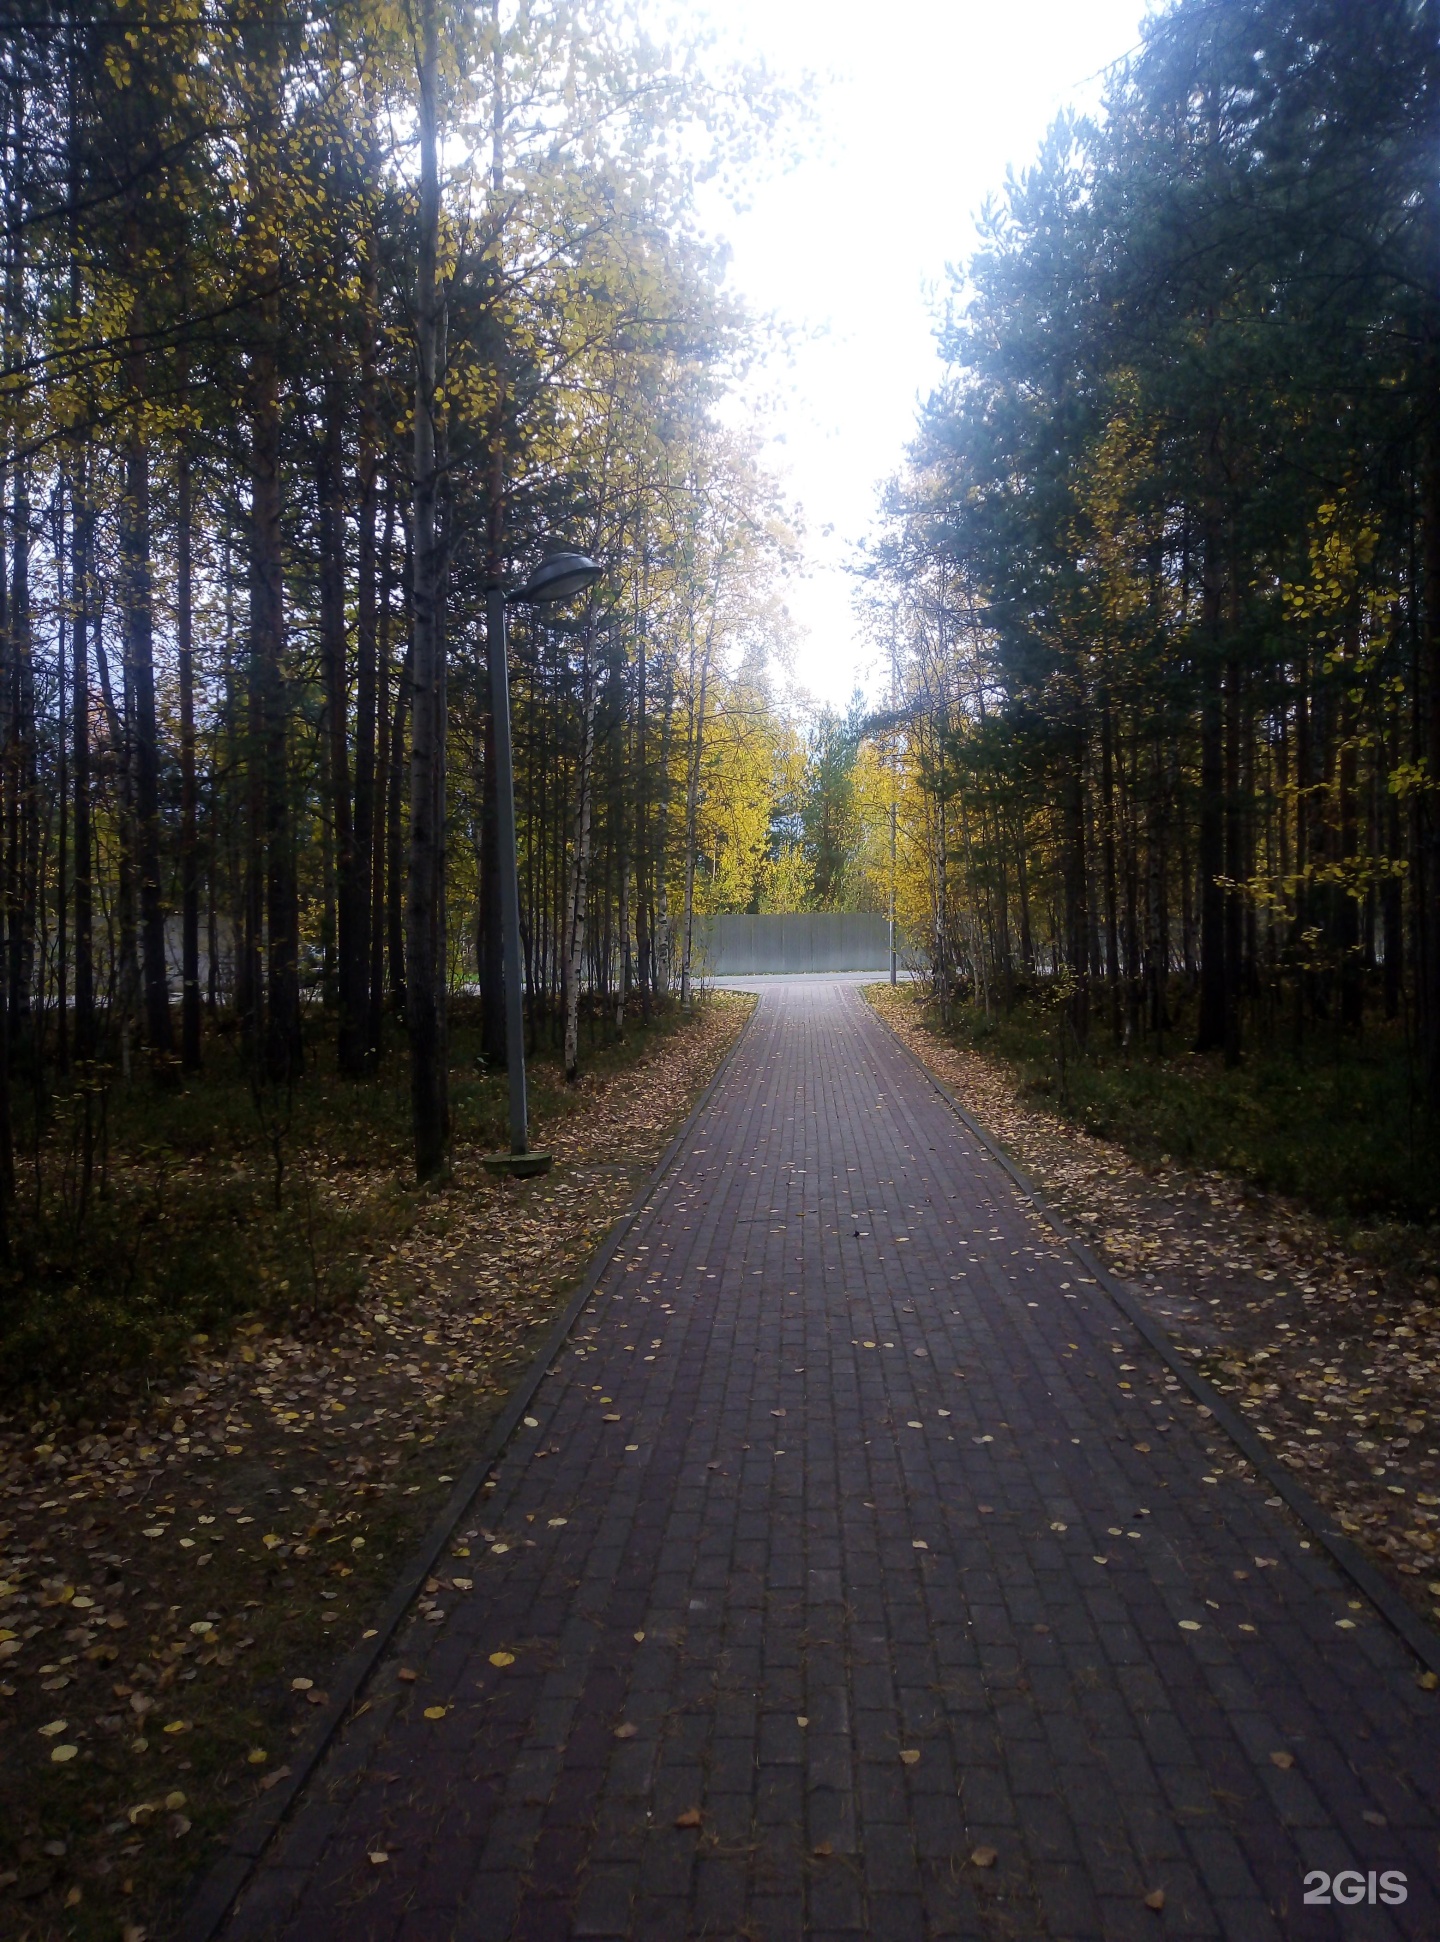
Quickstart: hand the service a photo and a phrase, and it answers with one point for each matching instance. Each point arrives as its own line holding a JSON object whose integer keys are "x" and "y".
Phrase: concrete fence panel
{"x": 814, "y": 940}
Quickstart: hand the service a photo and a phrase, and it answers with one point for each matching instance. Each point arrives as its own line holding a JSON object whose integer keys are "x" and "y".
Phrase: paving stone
{"x": 841, "y": 1570}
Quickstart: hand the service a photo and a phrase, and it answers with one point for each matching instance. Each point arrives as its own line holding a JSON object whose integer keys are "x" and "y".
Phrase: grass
{"x": 1336, "y": 1123}
{"x": 210, "y": 1205}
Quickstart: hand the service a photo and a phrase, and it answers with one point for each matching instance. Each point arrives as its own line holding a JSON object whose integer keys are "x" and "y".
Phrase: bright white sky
{"x": 921, "y": 107}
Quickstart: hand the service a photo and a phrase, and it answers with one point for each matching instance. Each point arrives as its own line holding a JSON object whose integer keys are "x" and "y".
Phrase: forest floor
{"x": 1331, "y": 1353}
{"x": 178, "y": 1584}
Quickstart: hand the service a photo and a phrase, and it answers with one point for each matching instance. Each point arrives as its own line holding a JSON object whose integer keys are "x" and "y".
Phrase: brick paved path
{"x": 834, "y": 1528}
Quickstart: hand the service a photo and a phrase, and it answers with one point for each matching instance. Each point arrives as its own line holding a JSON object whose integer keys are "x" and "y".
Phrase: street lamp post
{"x": 892, "y": 890}
{"x": 560, "y": 576}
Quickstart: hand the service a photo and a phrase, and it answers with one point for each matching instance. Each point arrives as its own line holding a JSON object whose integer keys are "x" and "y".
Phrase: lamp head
{"x": 559, "y": 576}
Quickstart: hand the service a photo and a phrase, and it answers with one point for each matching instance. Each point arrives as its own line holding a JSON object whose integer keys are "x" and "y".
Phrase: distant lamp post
{"x": 559, "y": 576}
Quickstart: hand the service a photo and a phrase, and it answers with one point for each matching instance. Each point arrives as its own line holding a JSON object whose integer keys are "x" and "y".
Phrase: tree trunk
{"x": 1022, "y": 882}
{"x": 64, "y": 612}
{"x": 425, "y": 901}
{"x": 189, "y": 835}
{"x": 1077, "y": 884}
{"x": 1212, "y": 1028}
{"x": 356, "y": 971}
{"x": 1303, "y": 778}
{"x": 644, "y": 901}
{"x": 692, "y": 811}
{"x": 580, "y": 878}
{"x": 394, "y": 841}
{"x": 351, "y": 929}
{"x": 1428, "y": 904}
{"x": 271, "y": 836}
{"x": 624, "y": 960}
{"x": 7, "y": 1149}
{"x": 387, "y": 792}
{"x": 1235, "y": 866}
{"x": 489, "y": 938}
{"x": 82, "y": 539}
{"x": 25, "y": 836}
{"x": 138, "y": 602}
{"x": 1112, "y": 903}
{"x": 22, "y": 792}
{"x": 1157, "y": 915}
{"x": 660, "y": 951}
{"x": 1392, "y": 893}
{"x": 1347, "y": 925}
{"x": 125, "y": 972}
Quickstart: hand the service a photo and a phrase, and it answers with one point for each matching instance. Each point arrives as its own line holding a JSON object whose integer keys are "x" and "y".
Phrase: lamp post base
{"x": 521, "y": 1166}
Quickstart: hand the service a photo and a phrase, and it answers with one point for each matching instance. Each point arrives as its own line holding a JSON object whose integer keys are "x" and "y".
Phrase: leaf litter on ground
{"x": 181, "y": 1581}
{"x": 1331, "y": 1356}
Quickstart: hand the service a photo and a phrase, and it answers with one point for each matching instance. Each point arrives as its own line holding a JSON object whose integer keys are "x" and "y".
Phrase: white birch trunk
{"x": 579, "y": 883}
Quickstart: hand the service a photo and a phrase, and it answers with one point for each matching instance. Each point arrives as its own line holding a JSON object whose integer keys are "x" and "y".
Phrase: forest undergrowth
{"x": 1325, "y": 1332}
{"x": 185, "y": 1564}
{"x": 217, "y": 1200}
{"x": 1334, "y": 1119}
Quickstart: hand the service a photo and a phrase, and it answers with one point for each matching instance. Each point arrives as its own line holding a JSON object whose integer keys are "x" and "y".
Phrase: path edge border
{"x": 257, "y": 1825}
{"x": 1413, "y": 1632}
